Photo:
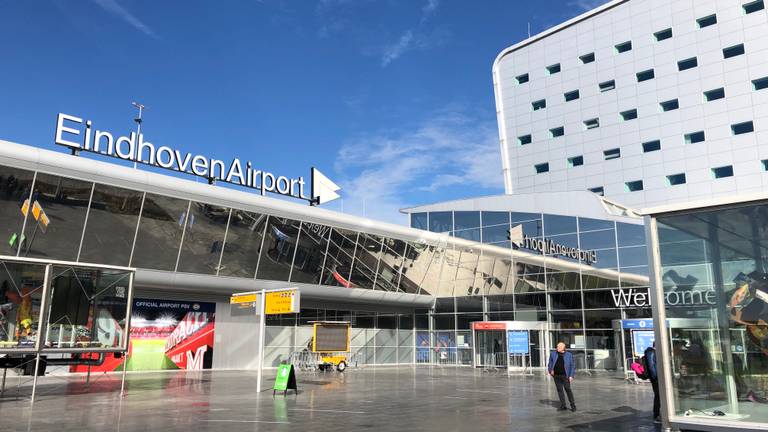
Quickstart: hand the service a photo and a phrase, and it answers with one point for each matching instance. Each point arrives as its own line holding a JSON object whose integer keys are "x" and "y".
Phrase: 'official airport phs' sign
{"x": 70, "y": 133}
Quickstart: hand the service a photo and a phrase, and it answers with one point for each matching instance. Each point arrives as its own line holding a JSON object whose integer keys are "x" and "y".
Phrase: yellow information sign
{"x": 25, "y": 207}
{"x": 282, "y": 302}
{"x": 44, "y": 221}
{"x": 36, "y": 210}
{"x": 243, "y": 298}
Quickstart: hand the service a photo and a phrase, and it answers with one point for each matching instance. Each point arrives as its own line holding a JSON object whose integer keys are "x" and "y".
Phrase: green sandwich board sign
{"x": 285, "y": 380}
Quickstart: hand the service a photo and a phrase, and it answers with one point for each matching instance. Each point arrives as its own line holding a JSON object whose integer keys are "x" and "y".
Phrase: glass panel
{"x": 602, "y": 299}
{"x": 445, "y": 321}
{"x": 418, "y": 266}
{"x": 497, "y": 234}
{"x": 554, "y": 224}
{"x": 465, "y": 276}
{"x": 529, "y": 278}
{"x": 500, "y": 303}
{"x": 65, "y": 201}
{"x": 596, "y": 282}
{"x": 466, "y": 219}
{"x": 469, "y": 304}
{"x": 338, "y": 263}
{"x": 633, "y": 256}
{"x": 630, "y": 235}
{"x": 279, "y": 246}
{"x": 243, "y": 244}
{"x": 419, "y": 221}
{"x": 445, "y": 305}
{"x": 448, "y": 273}
{"x": 588, "y": 224}
{"x": 597, "y": 240}
{"x": 159, "y": 236}
{"x": 566, "y": 320}
{"x": 520, "y": 217}
{"x": 203, "y": 240}
{"x": 606, "y": 259}
{"x": 499, "y": 281}
{"x": 21, "y": 292}
{"x": 484, "y": 275}
{"x": 561, "y": 281}
{"x": 441, "y": 221}
{"x": 601, "y": 319}
{"x": 492, "y": 218}
{"x": 15, "y": 187}
{"x": 390, "y": 264}
{"x": 565, "y": 300}
{"x": 111, "y": 225}
{"x": 468, "y": 234}
{"x": 310, "y": 253}
{"x": 366, "y": 262}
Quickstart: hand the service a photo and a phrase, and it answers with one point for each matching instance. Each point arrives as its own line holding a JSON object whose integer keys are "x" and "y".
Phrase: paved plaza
{"x": 376, "y": 399}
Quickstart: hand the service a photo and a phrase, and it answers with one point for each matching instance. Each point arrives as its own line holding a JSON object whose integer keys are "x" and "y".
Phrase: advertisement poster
{"x": 641, "y": 340}
{"x": 166, "y": 334}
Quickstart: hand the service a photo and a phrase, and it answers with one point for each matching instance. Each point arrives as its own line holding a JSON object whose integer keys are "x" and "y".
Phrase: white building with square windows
{"x": 646, "y": 102}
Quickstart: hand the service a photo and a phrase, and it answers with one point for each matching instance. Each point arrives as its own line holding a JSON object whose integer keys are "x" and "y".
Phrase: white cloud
{"x": 394, "y": 51}
{"x": 429, "y": 8}
{"x": 377, "y": 172}
{"x": 114, "y": 8}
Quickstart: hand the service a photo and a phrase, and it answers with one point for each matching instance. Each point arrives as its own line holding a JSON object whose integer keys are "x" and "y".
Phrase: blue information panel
{"x": 637, "y": 323}
{"x": 642, "y": 339}
{"x": 517, "y": 342}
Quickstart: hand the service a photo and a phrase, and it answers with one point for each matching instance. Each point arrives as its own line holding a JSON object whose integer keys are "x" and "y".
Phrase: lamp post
{"x": 138, "y": 131}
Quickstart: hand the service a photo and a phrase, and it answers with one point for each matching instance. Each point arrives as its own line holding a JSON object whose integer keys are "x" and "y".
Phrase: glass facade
{"x": 712, "y": 265}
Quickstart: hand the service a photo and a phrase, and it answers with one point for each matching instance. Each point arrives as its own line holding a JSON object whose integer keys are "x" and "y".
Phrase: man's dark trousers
{"x": 656, "y": 404}
{"x": 563, "y": 383}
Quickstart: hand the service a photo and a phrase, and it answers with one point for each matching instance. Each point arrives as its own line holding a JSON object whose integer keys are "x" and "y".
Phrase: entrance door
{"x": 490, "y": 348}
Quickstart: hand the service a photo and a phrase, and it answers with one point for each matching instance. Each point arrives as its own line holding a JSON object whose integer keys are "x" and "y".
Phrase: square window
{"x": 663, "y": 35}
{"x": 557, "y": 132}
{"x": 694, "y": 137}
{"x": 743, "y": 128}
{"x": 587, "y": 58}
{"x": 669, "y": 105}
{"x": 624, "y": 47}
{"x": 633, "y": 186}
{"x": 575, "y": 161}
{"x": 676, "y": 179}
{"x": 733, "y": 51}
{"x": 524, "y": 139}
{"x": 765, "y": 164}
{"x": 612, "y": 154}
{"x": 553, "y": 69}
{"x": 607, "y": 86}
{"x": 686, "y": 64}
{"x": 760, "y": 83}
{"x": 707, "y": 21}
{"x": 722, "y": 172}
{"x": 753, "y": 6}
{"x": 645, "y": 75}
{"x": 541, "y": 168}
{"x": 571, "y": 95}
{"x": 715, "y": 94}
{"x": 598, "y": 190}
{"x": 629, "y": 114}
{"x": 592, "y": 123}
{"x": 539, "y": 104}
{"x": 651, "y": 146}
{"x": 521, "y": 79}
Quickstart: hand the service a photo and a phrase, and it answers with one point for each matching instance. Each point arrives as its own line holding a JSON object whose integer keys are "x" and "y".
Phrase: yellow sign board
{"x": 44, "y": 221}
{"x": 243, "y": 298}
{"x": 25, "y": 207}
{"x": 282, "y": 302}
{"x": 36, "y": 210}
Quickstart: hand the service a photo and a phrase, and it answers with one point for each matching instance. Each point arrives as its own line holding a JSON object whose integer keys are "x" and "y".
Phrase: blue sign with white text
{"x": 637, "y": 324}
{"x": 517, "y": 342}
{"x": 642, "y": 339}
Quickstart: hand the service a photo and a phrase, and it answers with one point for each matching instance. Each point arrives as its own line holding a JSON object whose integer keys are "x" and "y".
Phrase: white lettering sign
{"x": 641, "y": 297}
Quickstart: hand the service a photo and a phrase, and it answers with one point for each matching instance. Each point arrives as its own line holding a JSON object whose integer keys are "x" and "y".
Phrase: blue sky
{"x": 391, "y": 99}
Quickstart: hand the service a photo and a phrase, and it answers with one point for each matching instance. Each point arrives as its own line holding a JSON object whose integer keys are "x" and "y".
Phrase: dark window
{"x": 688, "y": 63}
{"x": 707, "y": 21}
{"x": 715, "y": 94}
{"x": 645, "y": 75}
{"x": 743, "y": 128}
{"x": 753, "y": 6}
{"x": 694, "y": 137}
{"x": 524, "y": 139}
{"x": 676, "y": 179}
{"x": 111, "y": 225}
{"x": 541, "y": 168}
{"x": 553, "y": 69}
{"x": 634, "y": 186}
{"x": 242, "y": 246}
{"x": 539, "y": 104}
{"x": 624, "y": 47}
{"x": 575, "y": 161}
{"x": 65, "y": 202}
{"x": 670, "y": 105}
{"x": 557, "y": 132}
{"x": 159, "y": 237}
{"x": 765, "y": 164}
{"x": 629, "y": 114}
{"x": 522, "y": 79}
{"x": 441, "y": 221}
{"x": 419, "y": 221}
{"x": 663, "y": 35}
{"x": 203, "y": 239}
{"x": 592, "y": 123}
{"x": 556, "y": 224}
{"x": 279, "y": 246}
{"x": 733, "y": 51}
{"x": 566, "y": 300}
{"x": 722, "y": 172}
{"x": 15, "y": 188}
{"x": 651, "y": 146}
{"x": 612, "y": 154}
{"x": 760, "y": 83}
{"x": 571, "y": 95}
{"x": 587, "y": 58}
{"x": 607, "y": 86}
{"x": 463, "y": 220}
{"x": 598, "y": 190}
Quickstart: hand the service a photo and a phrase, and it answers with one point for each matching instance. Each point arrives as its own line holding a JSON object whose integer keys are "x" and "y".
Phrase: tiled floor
{"x": 376, "y": 399}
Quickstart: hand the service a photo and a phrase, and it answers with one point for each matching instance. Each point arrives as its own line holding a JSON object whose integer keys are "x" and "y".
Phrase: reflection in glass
{"x": 419, "y": 221}
{"x": 565, "y": 300}
{"x": 243, "y": 244}
{"x": 203, "y": 240}
{"x": 441, "y": 221}
{"x": 633, "y": 256}
{"x": 497, "y": 234}
{"x": 160, "y": 228}
{"x": 338, "y": 263}
{"x": 556, "y": 224}
{"x": 21, "y": 292}
{"x": 597, "y": 239}
{"x": 65, "y": 202}
{"x": 310, "y": 253}
{"x": 630, "y": 235}
{"x": 390, "y": 264}
{"x": 15, "y": 187}
{"x": 448, "y": 273}
{"x": 465, "y": 275}
{"x": 484, "y": 275}
{"x": 588, "y": 224}
{"x": 366, "y": 262}
{"x": 279, "y": 246}
{"x": 417, "y": 264}
{"x": 111, "y": 225}
{"x": 559, "y": 281}
{"x": 498, "y": 283}
{"x": 529, "y": 278}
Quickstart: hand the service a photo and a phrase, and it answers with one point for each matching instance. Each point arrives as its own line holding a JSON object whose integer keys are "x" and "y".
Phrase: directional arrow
{"x": 323, "y": 189}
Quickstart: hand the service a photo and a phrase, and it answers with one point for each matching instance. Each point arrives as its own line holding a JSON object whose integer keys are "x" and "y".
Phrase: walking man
{"x": 653, "y": 376}
{"x": 562, "y": 368}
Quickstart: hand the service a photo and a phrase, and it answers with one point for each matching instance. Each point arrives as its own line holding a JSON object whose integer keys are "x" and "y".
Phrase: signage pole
{"x": 138, "y": 132}
{"x": 262, "y": 326}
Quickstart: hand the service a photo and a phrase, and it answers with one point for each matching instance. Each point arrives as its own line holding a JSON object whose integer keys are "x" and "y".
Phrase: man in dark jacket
{"x": 562, "y": 368}
{"x": 650, "y": 359}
